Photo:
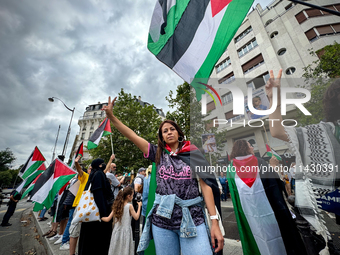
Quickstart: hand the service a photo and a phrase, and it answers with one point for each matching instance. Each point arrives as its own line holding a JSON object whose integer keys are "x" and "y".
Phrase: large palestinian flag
{"x": 50, "y": 182}
{"x": 30, "y": 187}
{"x": 25, "y": 183}
{"x": 264, "y": 221}
{"x": 104, "y": 129}
{"x": 189, "y": 36}
{"x": 33, "y": 163}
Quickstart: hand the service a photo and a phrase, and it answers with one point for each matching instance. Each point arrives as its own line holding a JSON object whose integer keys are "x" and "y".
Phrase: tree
{"x": 6, "y": 159}
{"x": 318, "y": 76}
{"x": 144, "y": 120}
{"x": 187, "y": 114}
{"x": 5, "y": 178}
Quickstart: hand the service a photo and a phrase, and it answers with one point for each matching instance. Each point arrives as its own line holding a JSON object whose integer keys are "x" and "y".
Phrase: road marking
{"x": 18, "y": 210}
{"x": 10, "y": 233}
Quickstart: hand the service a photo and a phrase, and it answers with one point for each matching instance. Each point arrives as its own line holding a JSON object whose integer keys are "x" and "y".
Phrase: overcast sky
{"x": 80, "y": 51}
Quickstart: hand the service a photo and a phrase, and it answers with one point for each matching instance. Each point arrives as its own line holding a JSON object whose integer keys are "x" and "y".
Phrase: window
{"x": 211, "y": 106}
{"x": 90, "y": 134}
{"x": 243, "y": 34}
{"x": 224, "y": 64}
{"x": 253, "y": 63}
{"x": 281, "y": 51}
{"x": 289, "y": 6}
{"x": 84, "y": 127}
{"x": 248, "y": 47}
{"x": 94, "y": 114}
{"x": 300, "y": 17}
{"x": 259, "y": 81}
{"x": 211, "y": 124}
{"x": 227, "y": 79}
{"x": 311, "y": 35}
{"x": 268, "y": 22}
{"x": 82, "y": 136}
{"x": 336, "y": 27}
{"x": 274, "y": 34}
{"x": 98, "y": 107}
{"x": 227, "y": 98}
{"x": 313, "y": 13}
{"x": 290, "y": 70}
{"x": 325, "y": 30}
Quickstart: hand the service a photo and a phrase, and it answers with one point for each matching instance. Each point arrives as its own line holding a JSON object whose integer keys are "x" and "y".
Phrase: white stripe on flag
{"x": 43, "y": 192}
{"x": 260, "y": 217}
{"x": 29, "y": 164}
{"x": 192, "y": 60}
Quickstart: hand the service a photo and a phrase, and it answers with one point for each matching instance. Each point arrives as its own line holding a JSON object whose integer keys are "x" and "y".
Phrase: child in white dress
{"x": 122, "y": 210}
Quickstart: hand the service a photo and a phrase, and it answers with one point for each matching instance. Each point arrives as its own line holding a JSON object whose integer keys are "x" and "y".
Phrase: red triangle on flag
{"x": 42, "y": 167}
{"x": 37, "y": 156}
{"x": 218, "y": 5}
{"x": 247, "y": 169}
{"x": 61, "y": 169}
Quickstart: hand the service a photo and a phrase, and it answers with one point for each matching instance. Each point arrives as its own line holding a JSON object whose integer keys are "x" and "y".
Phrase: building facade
{"x": 91, "y": 120}
{"x": 278, "y": 36}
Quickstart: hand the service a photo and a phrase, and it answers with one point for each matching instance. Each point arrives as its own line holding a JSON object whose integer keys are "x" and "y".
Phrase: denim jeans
{"x": 169, "y": 242}
{"x": 42, "y": 214}
{"x": 66, "y": 235}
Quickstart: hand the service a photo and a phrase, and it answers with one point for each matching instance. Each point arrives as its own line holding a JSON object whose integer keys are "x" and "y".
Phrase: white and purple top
{"x": 173, "y": 176}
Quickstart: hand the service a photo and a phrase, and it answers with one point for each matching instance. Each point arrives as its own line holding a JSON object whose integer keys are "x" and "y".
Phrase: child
{"x": 257, "y": 103}
{"x": 122, "y": 210}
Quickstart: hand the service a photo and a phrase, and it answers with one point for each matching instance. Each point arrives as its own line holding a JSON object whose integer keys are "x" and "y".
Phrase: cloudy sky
{"x": 80, "y": 51}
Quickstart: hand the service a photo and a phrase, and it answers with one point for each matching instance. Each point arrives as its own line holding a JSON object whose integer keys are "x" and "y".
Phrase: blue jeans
{"x": 168, "y": 242}
{"x": 42, "y": 214}
{"x": 66, "y": 235}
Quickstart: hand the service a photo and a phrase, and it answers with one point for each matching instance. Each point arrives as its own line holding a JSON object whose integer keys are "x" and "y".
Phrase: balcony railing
{"x": 97, "y": 116}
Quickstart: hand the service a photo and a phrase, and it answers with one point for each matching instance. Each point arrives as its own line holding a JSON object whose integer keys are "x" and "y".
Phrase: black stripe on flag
{"x": 98, "y": 132}
{"x": 22, "y": 170}
{"x": 184, "y": 33}
{"x": 44, "y": 177}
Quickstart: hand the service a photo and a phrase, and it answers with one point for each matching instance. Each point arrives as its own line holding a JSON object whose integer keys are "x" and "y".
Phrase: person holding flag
{"x": 263, "y": 218}
{"x": 182, "y": 229}
{"x": 12, "y": 204}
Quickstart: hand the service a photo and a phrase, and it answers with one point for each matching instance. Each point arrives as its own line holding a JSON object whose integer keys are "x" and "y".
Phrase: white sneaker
{"x": 54, "y": 238}
{"x": 59, "y": 241}
{"x": 49, "y": 223}
{"x": 64, "y": 247}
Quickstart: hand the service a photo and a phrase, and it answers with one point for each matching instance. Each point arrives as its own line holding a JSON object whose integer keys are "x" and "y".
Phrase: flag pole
{"x": 316, "y": 7}
{"x": 15, "y": 180}
{"x": 112, "y": 144}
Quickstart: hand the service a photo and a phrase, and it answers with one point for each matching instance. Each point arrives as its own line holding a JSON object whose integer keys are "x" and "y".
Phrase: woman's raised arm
{"x": 140, "y": 142}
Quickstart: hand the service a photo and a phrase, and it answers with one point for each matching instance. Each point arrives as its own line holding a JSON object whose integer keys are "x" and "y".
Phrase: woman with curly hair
{"x": 122, "y": 211}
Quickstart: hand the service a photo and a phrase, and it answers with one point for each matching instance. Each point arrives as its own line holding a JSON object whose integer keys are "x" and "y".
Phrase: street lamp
{"x": 62, "y": 156}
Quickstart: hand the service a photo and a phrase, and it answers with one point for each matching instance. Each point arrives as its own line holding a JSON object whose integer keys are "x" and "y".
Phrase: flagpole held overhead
{"x": 112, "y": 144}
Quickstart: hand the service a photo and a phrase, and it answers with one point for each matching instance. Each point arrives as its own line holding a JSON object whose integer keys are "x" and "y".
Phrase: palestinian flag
{"x": 271, "y": 152}
{"x": 50, "y": 182}
{"x": 189, "y": 36}
{"x": 25, "y": 183}
{"x": 104, "y": 129}
{"x": 264, "y": 221}
{"x": 79, "y": 152}
{"x": 30, "y": 187}
{"x": 32, "y": 163}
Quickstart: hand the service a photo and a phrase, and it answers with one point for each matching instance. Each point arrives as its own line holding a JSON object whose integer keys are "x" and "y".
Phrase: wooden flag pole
{"x": 112, "y": 144}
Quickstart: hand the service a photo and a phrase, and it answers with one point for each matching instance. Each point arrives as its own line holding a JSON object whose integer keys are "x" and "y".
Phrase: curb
{"x": 40, "y": 231}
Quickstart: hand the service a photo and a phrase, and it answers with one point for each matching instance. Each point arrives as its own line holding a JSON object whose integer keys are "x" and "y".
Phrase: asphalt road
{"x": 20, "y": 238}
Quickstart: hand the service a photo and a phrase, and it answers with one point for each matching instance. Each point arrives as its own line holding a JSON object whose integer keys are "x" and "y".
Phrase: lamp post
{"x": 62, "y": 156}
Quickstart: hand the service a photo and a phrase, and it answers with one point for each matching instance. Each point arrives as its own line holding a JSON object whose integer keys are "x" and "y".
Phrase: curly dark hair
{"x": 118, "y": 204}
{"x": 240, "y": 148}
{"x": 331, "y": 102}
{"x": 161, "y": 143}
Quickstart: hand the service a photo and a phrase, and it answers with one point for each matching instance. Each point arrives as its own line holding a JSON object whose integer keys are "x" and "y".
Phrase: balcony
{"x": 94, "y": 116}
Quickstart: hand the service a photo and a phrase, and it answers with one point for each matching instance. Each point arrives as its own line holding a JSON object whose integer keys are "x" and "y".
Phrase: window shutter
{"x": 300, "y": 17}
{"x": 313, "y": 12}
{"x": 252, "y": 62}
{"x": 310, "y": 34}
{"x": 324, "y": 30}
{"x": 211, "y": 106}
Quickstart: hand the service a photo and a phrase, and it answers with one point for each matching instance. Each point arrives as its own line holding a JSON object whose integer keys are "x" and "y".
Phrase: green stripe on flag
{"x": 230, "y": 23}
{"x": 32, "y": 168}
{"x": 105, "y": 133}
{"x": 37, "y": 207}
{"x": 27, "y": 191}
{"x": 31, "y": 178}
{"x": 91, "y": 145}
{"x": 248, "y": 242}
{"x": 173, "y": 18}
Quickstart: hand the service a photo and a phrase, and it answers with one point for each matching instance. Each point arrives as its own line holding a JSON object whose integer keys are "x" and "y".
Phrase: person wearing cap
{"x": 138, "y": 182}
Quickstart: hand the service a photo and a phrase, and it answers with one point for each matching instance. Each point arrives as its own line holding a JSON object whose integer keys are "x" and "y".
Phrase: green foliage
{"x": 142, "y": 120}
{"x": 5, "y": 178}
{"x": 6, "y": 159}
{"x": 317, "y": 79}
{"x": 187, "y": 114}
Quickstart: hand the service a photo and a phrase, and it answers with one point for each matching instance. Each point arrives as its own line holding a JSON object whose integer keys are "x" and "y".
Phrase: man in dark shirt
{"x": 12, "y": 204}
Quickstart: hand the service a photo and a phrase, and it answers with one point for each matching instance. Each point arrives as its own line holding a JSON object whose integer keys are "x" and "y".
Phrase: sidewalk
{"x": 231, "y": 247}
